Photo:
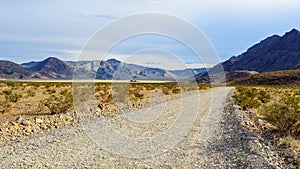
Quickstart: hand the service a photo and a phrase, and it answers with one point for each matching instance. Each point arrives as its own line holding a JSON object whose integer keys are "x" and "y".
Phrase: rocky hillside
{"x": 114, "y": 69}
{"x": 284, "y": 77}
{"x": 272, "y": 54}
{"x": 275, "y": 53}
{"x": 51, "y": 68}
{"x": 12, "y": 70}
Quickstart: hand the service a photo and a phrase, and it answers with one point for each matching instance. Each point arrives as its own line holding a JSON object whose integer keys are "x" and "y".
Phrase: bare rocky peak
{"x": 271, "y": 54}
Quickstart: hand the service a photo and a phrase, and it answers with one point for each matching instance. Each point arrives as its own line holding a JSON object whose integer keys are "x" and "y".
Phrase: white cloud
{"x": 158, "y": 2}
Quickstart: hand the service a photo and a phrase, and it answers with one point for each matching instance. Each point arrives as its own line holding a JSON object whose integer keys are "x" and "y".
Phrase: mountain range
{"x": 274, "y": 53}
{"x": 50, "y": 68}
{"x": 54, "y": 68}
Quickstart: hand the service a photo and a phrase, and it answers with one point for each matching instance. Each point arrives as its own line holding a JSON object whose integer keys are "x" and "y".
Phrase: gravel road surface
{"x": 195, "y": 130}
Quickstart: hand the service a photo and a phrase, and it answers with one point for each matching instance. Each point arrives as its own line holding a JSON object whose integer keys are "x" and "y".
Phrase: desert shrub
{"x": 30, "y": 93}
{"x": 247, "y": 97}
{"x": 102, "y": 87}
{"x": 65, "y": 92}
{"x": 297, "y": 92}
{"x": 49, "y": 91}
{"x": 204, "y": 86}
{"x": 7, "y": 92}
{"x": 109, "y": 98}
{"x": 57, "y": 104}
{"x": 176, "y": 90}
{"x": 4, "y": 106}
{"x": 150, "y": 86}
{"x": 10, "y": 96}
{"x": 12, "y": 84}
{"x": 36, "y": 84}
{"x": 170, "y": 88}
{"x": 138, "y": 95}
{"x": 166, "y": 91}
{"x": 281, "y": 115}
{"x": 263, "y": 96}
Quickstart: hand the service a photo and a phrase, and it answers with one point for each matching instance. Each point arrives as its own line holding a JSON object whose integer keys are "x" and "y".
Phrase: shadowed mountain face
{"x": 272, "y": 54}
{"x": 12, "y": 70}
{"x": 52, "y": 68}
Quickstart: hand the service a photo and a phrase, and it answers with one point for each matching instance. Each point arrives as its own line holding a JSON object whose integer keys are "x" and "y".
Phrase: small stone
{"x": 39, "y": 121}
{"x": 24, "y": 123}
{"x": 19, "y": 119}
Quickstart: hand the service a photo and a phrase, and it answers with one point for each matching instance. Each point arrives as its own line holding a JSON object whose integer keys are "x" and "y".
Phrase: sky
{"x": 33, "y": 30}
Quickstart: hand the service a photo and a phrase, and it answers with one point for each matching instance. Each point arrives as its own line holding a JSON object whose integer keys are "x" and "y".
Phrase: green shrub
{"x": 282, "y": 116}
{"x": 4, "y": 106}
{"x": 30, "y": 93}
{"x": 283, "y": 111}
{"x": 10, "y": 96}
{"x": 7, "y": 92}
{"x": 57, "y": 104}
{"x": 138, "y": 95}
{"x": 247, "y": 97}
{"x": 297, "y": 92}
{"x": 150, "y": 86}
{"x": 264, "y": 97}
{"x": 50, "y": 91}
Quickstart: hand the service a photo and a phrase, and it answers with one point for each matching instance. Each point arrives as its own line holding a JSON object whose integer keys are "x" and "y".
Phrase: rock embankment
{"x": 23, "y": 126}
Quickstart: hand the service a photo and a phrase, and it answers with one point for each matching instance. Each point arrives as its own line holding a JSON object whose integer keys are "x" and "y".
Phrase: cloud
{"x": 108, "y": 17}
{"x": 62, "y": 27}
{"x": 158, "y": 2}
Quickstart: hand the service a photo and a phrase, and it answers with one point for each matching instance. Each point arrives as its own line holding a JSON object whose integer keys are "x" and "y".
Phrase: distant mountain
{"x": 188, "y": 72}
{"x": 54, "y": 68}
{"x": 12, "y": 70}
{"x": 29, "y": 64}
{"x": 272, "y": 54}
{"x": 117, "y": 70}
{"x": 114, "y": 69}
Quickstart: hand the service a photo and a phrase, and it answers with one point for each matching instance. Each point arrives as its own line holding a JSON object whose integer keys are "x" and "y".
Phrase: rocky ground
{"x": 167, "y": 135}
{"x": 23, "y": 127}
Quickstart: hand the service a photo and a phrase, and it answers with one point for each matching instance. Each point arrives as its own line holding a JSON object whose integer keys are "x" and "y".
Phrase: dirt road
{"x": 196, "y": 130}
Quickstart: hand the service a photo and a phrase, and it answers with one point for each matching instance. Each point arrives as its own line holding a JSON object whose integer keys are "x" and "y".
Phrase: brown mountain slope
{"x": 12, "y": 70}
{"x": 285, "y": 77}
{"x": 52, "y": 68}
{"x": 272, "y": 54}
